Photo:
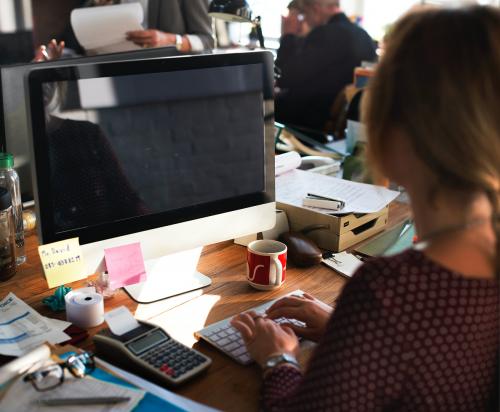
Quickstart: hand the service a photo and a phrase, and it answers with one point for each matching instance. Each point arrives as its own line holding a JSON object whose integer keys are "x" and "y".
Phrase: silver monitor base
{"x": 167, "y": 277}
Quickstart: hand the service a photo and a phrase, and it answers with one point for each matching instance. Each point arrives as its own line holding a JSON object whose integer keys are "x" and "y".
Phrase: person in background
{"x": 182, "y": 23}
{"x": 315, "y": 68}
{"x": 294, "y": 21}
{"x": 417, "y": 331}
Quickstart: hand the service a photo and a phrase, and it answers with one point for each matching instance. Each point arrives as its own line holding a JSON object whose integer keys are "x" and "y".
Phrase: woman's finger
{"x": 285, "y": 302}
{"x": 291, "y": 312}
{"x": 246, "y": 332}
{"x": 289, "y": 329}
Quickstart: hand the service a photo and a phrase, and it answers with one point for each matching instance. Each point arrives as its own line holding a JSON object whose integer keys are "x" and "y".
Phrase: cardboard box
{"x": 331, "y": 232}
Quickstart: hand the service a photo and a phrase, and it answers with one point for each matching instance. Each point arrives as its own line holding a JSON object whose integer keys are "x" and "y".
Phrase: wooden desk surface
{"x": 227, "y": 385}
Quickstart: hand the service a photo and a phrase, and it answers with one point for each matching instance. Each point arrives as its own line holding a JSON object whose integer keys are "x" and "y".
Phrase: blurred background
{"x": 25, "y": 24}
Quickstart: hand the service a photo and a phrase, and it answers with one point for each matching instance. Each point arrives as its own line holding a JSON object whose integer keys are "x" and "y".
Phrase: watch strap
{"x": 279, "y": 359}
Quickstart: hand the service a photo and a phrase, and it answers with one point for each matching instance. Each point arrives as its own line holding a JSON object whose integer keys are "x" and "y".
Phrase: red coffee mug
{"x": 266, "y": 264}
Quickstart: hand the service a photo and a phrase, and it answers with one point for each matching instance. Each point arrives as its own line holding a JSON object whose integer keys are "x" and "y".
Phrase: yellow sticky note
{"x": 62, "y": 262}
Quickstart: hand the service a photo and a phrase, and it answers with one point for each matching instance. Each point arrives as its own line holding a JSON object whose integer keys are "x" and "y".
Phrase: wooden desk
{"x": 227, "y": 385}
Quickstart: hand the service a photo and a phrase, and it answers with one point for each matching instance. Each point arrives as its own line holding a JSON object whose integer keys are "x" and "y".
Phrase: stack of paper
{"x": 22, "y": 328}
{"x": 293, "y": 186}
{"x": 21, "y": 396}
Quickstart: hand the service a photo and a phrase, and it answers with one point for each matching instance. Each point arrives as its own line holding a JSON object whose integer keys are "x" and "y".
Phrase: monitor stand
{"x": 169, "y": 276}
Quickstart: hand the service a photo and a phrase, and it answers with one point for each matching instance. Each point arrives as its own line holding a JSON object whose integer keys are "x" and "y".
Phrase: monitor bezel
{"x": 40, "y": 159}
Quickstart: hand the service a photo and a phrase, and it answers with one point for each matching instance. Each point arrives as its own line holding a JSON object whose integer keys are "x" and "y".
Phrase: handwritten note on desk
{"x": 62, "y": 262}
{"x": 125, "y": 265}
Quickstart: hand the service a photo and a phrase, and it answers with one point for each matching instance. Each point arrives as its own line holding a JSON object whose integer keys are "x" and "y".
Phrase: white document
{"x": 344, "y": 263}
{"x": 58, "y": 323}
{"x": 285, "y": 162}
{"x": 22, "y": 328}
{"x": 103, "y": 29}
{"x": 292, "y": 187}
{"x": 177, "y": 400}
{"x": 120, "y": 320}
{"x": 22, "y": 396}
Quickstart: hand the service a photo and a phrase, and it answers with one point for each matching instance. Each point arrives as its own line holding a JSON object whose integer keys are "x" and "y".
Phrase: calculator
{"x": 151, "y": 352}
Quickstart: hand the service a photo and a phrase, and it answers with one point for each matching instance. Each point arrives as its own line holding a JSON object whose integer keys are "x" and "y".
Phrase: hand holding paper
{"x": 103, "y": 29}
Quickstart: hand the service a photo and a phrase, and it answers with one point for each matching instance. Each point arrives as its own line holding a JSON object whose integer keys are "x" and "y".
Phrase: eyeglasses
{"x": 51, "y": 376}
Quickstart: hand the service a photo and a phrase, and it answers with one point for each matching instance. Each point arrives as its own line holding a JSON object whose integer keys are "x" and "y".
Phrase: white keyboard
{"x": 227, "y": 339}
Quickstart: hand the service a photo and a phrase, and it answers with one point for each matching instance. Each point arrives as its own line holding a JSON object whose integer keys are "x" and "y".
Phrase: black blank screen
{"x": 126, "y": 146}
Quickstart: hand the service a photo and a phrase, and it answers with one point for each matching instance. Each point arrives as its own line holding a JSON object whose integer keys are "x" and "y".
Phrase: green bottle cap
{"x": 6, "y": 160}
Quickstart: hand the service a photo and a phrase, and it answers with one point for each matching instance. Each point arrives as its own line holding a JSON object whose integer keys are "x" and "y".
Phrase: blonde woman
{"x": 418, "y": 331}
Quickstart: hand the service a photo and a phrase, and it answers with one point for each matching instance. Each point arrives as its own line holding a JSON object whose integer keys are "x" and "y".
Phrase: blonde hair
{"x": 439, "y": 83}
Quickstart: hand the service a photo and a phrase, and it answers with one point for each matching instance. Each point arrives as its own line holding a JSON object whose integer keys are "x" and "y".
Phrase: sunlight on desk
{"x": 181, "y": 321}
{"x": 169, "y": 275}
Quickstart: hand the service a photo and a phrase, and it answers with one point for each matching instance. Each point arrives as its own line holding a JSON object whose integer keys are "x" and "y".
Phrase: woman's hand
{"x": 52, "y": 51}
{"x": 264, "y": 337}
{"x": 307, "y": 309}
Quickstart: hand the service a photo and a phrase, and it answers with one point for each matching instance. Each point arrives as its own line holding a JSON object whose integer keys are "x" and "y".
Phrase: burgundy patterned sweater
{"x": 407, "y": 335}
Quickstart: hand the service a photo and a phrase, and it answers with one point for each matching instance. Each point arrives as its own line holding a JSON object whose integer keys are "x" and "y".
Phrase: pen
{"x": 103, "y": 400}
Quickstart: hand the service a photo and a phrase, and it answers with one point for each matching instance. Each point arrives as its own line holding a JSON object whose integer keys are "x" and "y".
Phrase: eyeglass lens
{"x": 47, "y": 378}
{"x": 51, "y": 376}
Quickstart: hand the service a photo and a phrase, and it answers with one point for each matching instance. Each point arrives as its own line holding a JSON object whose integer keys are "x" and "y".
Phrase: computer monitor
{"x": 14, "y": 130}
{"x": 173, "y": 153}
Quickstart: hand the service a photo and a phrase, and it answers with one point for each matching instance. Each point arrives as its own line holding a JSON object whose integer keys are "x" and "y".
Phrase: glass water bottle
{"x": 10, "y": 180}
{"x": 7, "y": 237}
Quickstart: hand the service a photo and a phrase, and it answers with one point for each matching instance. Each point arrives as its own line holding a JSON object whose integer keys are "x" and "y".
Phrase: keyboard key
{"x": 239, "y": 351}
{"x": 231, "y": 346}
{"x": 245, "y": 358}
{"x": 223, "y": 342}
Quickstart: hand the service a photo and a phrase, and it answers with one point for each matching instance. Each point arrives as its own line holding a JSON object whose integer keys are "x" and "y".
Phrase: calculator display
{"x": 147, "y": 342}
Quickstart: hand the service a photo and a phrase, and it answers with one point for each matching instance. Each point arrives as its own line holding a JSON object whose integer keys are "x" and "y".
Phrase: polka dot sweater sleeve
{"x": 357, "y": 366}
{"x": 407, "y": 335}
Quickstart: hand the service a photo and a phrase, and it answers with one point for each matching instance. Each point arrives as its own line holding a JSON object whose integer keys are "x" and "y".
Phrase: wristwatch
{"x": 279, "y": 359}
{"x": 178, "y": 42}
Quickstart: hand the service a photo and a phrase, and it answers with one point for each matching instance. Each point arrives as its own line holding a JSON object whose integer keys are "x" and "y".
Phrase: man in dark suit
{"x": 315, "y": 68}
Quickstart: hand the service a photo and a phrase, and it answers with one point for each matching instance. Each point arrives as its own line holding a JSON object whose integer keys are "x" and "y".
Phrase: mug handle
{"x": 278, "y": 272}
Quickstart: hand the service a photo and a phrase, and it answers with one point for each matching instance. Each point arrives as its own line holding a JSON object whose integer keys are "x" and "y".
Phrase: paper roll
{"x": 84, "y": 307}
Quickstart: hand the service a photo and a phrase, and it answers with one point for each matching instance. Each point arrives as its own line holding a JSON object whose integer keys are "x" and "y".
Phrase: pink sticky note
{"x": 125, "y": 265}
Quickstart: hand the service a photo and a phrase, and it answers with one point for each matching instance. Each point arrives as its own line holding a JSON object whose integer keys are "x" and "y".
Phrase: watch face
{"x": 284, "y": 357}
